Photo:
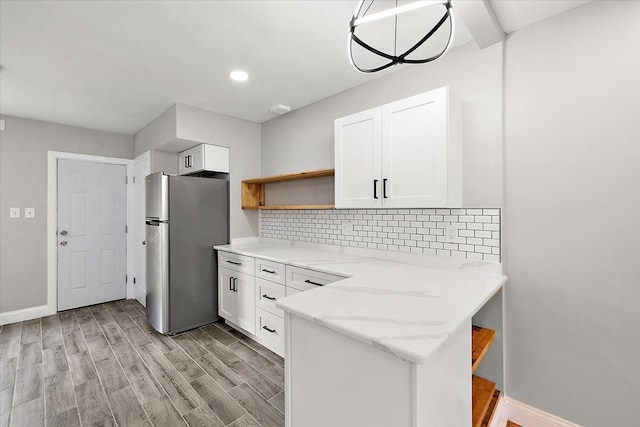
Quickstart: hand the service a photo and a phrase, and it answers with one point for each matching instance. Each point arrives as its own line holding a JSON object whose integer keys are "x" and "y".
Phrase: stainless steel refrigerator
{"x": 185, "y": 218}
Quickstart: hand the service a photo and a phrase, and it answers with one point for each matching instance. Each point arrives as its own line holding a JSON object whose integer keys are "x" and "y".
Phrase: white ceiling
{"x": 116, "y": 65}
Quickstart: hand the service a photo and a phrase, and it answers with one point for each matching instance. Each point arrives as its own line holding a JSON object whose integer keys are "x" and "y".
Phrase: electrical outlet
{"x": 29, "y": 212}
{"x": 14, "y": 212}
{"x": 347, "y": 227}
{"x": 450, "y": 233}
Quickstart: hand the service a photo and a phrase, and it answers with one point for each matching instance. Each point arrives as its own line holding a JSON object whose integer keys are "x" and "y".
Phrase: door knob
{"x": 63, "y": 243}
{"x": 64, "y": 232}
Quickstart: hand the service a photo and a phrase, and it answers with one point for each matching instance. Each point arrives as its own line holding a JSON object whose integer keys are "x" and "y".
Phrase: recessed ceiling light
{"x": 239, "y": 75}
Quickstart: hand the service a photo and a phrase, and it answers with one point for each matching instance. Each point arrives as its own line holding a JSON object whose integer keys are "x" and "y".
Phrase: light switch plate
{"x": 29, "y": 212}
{"x": 14, "y": 212}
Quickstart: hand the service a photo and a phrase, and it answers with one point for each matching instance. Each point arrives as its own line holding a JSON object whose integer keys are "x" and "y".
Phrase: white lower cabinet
{"x": 248, "y": 289}
{"x": 304, "y": 279}
{"x": 270, "y": 329}
{"x": 266, "y": 295}
{"x": 236, "y": 298}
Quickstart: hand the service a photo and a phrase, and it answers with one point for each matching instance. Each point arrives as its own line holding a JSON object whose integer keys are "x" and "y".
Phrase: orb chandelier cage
{"x": 402, "y": 58}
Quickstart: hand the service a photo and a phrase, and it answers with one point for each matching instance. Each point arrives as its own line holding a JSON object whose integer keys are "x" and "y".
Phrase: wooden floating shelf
{"x": 298, "y": 207}
{"x": 481, "y": 395}
{"x": 481, "y": 339}
{"x": 492, "y": 409}
{"x": 484, "y": 396}
{"x": 253, "y": 189}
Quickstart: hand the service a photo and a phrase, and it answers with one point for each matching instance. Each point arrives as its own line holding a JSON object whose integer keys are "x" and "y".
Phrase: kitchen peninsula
{"x": 388, "y": 345}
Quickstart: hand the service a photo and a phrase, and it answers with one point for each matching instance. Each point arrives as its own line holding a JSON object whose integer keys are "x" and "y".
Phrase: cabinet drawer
{"x": 304, "y": 279}
{"x": 292, "y": 291}
{"x": 266, "y": 295}
{"x": 270, "y": 328}
{"x": 269, "y": 270}
{"x": 235, "y": 262}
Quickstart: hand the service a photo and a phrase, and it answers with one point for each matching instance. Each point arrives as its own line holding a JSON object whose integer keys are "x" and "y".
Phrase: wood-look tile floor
{"x": 104, "y": 365}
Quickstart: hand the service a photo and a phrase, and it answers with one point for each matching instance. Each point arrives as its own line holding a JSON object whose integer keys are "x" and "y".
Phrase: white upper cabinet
{"x": 358, "y": 152}
{"x": 406, "y": 154}
{"x": 203, "y": 157}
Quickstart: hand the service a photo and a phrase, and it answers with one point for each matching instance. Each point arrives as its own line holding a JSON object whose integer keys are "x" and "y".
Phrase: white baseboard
{"x": 25, "y": 314}
{"x": 528, "y": 416}
{"x": 500, "y": 414}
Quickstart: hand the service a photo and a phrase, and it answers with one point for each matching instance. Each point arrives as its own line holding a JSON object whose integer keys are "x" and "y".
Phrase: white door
{"x": 141, "y": 168}
{"x": 358, "y": 160}
{"x": 92, "y": 243}
{"x": 245, "y": 293}
{"x": 227, "y": 300}
{"x": 414, "y": 151}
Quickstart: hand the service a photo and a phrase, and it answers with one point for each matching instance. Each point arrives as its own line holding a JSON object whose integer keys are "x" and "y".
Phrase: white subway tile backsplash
{"x": 403, "y": 230}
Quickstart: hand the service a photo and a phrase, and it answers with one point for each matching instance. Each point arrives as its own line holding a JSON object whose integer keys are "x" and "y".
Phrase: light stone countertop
{"x": 405, "y": 304}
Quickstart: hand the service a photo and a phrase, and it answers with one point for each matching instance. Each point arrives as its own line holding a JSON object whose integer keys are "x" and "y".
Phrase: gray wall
{"x": 157, "y": 132}
{"x": 243, "y": 139}
{"x": 303, "y": 139}
{"x": 163, "y": 161}
{"x": 183, "y": 126}
{"x": 23, "y": 183}
{"x": 572, "y": 214}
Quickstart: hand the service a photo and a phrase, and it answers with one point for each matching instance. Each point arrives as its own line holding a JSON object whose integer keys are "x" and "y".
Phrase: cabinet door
{"x": 358, "y": 161}
{"x": 245, "y": 294}
{"x": 191, "y": 160}
{"x": 227, "y": 300}
{"x": 196, "y": 161}
{"x": 414, "y": 151}
{"x": 183, "y": 161}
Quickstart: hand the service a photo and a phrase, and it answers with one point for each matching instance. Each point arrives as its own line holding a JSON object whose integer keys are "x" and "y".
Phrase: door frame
{"x": 144, "y": 157}
{"x": 52, "y": 220}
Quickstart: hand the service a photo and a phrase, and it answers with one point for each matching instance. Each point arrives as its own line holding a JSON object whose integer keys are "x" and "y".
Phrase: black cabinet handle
{"x": 230, "y": 283}
{"x": 375, "y": 188}
{"x": 268, "y": 297}
{"x": 311, "y": 282}
{"x": 234, "y": 263}
{"x": 186, "y": 161}
{"x": 384, "y": 188}
{"x": 273, "y": 331}
{"x": 235, "y": 284}
{"x": 268, "y": 271}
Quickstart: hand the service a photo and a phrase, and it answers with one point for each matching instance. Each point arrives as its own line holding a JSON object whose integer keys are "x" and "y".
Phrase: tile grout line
{"x": 15, "y": 379}
{"x": 66, "y": 354}
{"x": 119, "y": 364}
{"x": 94, "y": 367}
{"x": 147, "y": 366}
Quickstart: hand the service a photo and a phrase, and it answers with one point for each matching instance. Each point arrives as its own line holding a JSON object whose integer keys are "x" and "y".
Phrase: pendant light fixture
{"x": 422, "y": 30}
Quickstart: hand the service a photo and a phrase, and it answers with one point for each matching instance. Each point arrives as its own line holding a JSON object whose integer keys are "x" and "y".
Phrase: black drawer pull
{"x": 268, "y": 271}
{"x": 273, "y": 331}
{"x": 234, "y": 263}
{"x": 268, "y": 297}
{"x": 311, "y": 282}
{"x": 384, "y": 188}
{"x": 375, "y": 188}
